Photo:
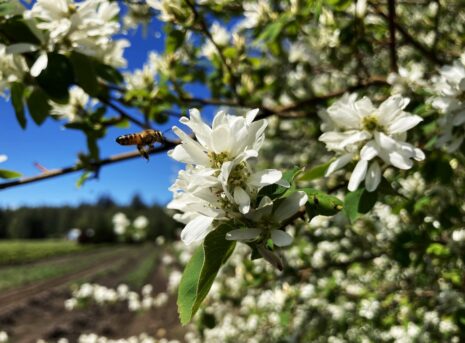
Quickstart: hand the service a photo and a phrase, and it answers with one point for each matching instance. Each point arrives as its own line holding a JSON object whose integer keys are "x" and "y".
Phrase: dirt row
{"x": 37, "y": 311}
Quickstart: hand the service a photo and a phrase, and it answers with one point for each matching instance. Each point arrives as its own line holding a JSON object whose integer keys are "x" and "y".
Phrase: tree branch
{"x": 123, "y": 113}
{"x": 429, "y": 54}
{"x": 206, "y": 31}
{"x": 67, "y": 170}
{"x": 392, "y": 34}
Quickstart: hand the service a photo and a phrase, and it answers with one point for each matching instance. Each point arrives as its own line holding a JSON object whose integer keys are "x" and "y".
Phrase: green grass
{"x": 138, "y": 276}
{"x": 23, "y": 251}
{"x": 16, "y": 276}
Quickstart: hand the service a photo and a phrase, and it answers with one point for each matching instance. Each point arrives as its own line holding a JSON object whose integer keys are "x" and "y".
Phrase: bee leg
{"x": 142, "y": 151}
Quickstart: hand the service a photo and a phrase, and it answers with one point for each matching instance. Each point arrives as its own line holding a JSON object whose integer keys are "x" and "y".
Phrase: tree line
{"x": 55, "y": 222}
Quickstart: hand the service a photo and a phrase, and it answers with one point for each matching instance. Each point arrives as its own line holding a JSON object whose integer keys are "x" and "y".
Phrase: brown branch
{"x": 123, "y": 113}
{"x": 206, "y": 31}
{"x": 392, "y": 34}
{"x": 286, "y": 111}
{"x": 67, "y": 170}
{"x": 425, "y": 51}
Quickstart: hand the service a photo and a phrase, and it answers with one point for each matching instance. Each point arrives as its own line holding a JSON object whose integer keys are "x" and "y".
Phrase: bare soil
{"x": 37, "y": 311}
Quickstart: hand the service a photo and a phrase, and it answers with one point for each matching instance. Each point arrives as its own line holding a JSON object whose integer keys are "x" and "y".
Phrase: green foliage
{"x": 24, "y": 251}
{"x": 38, "y": 105}
{"x": 9, "y": 174}
{"x": 359, "y": 202}
{"x": 17, "y": 93}
{"x": 57, "y": 77}
{"x": 320, "y": 203}
{"x": 85, "y": 73}
{"x": 200, "y": 272}
{"x": 316, "y": 172}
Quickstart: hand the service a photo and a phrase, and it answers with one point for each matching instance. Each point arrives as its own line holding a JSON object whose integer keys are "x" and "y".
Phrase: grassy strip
{"x": 138, "y": 276}
{"x": 24, "y": 251}
{"x": 20, "y": 275}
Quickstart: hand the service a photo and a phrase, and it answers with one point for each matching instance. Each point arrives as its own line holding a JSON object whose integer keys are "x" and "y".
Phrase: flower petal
{"x": 39, "y": 65}
{"x": 373, "y": 177}
{"x": 290, "y": 206}
{"x": 242, "y": 199}
{"x": 265, "y": 177}
{"x": 339, "y": 163}
{"x": 404, "y": 124}
{"x": 20, "y": 48}
{"x": 358, "y": 175}
{"x": 369, "y": 151}
{"x": 281, "y": 238}
{"x": 250, "y": 116}
{"x": 196, "y": 229}
{"x": 243, "y": 234}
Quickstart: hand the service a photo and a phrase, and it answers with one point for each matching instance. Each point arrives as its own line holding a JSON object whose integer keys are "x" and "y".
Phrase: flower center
{"x": 239, "y": 176}
{"x": 370, "y": 123}
{"x": 217, "y": 160}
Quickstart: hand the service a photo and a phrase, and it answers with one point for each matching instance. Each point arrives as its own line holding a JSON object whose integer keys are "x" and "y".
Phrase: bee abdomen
{"x": 128, "y": 139}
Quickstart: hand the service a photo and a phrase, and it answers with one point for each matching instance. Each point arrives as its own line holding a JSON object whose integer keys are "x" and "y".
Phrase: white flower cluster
{"x": 449, "y": 100}
{"x": 357, "y": 130}
{"x": 220, "y": 36}
{"x": 3, "y": 337}
{"x": 76, "y": 108}
{"x": 102, "y": 295}
{"x": 220, "y": 183}
{"x": 123, "y": 228}
{"x": 86, "y": 27}
{"x": 12, "y": 69}
{"x": 145, "y": 78}
{"x": 94, "y": 338}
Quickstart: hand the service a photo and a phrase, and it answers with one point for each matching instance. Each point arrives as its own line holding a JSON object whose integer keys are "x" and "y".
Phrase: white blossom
{"x": 449, "y": 87}
{"x": 360, "y": 131}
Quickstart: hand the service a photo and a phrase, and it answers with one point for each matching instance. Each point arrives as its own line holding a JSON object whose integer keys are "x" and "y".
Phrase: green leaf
{"x": 17, "y": 93}
{"x": 272, "y": 30}
{"x": 320, "y": 203}
{"x": 108, "y": 73}
{"x": 274, "y": 191}
{"x": 17, "y": 31}
{"x": 92, "y": 146}
{"x": 83, "y": 178}
{"x": 57, "y": 77}
{"x": 84, "y": 73}
{"x": 339, "y": 5}
{"x": 9, "y": 174}
{"x": 438, "y": 249}
{"x": 10, "y": 8}
{"x": 359, "y": 202}
{"x": 316, "y": 172}
{"x": 38, "y": 105}
{"x": 174, "y": 40}
{"x": 201, "y": 271}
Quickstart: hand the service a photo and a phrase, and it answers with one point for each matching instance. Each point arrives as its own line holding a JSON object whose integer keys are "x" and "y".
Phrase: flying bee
{"x": 142, "y": 140}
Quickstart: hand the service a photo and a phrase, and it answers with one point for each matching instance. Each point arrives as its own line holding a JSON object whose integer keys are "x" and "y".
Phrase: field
{"x": 33, "y": 291}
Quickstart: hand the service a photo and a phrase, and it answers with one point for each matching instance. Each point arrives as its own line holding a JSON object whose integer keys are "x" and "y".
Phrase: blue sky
{"x": 53, "y": 147}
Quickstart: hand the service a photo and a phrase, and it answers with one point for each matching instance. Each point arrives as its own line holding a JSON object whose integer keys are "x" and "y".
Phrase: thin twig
{"x": 429, "y": 54}
{"x": 392, "y": 34}
{"x": 122, "y": 112}
{"x": 206, "y": 31}
{"x": 109, "y": 160}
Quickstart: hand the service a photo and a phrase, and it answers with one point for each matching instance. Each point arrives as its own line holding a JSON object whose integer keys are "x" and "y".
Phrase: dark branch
{"x": 63, "y": 171}
{"x": 392, "y": 34}
{"x": 123, "y": 113}
{"x": 429, "y": 54}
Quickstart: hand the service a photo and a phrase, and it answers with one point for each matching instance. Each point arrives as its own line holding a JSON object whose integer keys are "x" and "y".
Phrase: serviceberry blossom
{"x": 77, "y": 107}
{"x": 220, "y": 182}
{"x": 85, "y": 26}
{"x": 449, "y": 100}
{"x": 358, "y": 131}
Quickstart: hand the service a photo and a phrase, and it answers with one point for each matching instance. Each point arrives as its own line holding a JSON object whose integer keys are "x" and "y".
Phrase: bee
{"x": 141, "y": 140}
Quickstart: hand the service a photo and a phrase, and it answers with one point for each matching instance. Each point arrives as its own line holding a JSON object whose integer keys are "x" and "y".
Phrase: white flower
{"x": 12, "y": 69}
{"x": 169, "y": 10}
{"x": 219, "y": 183}
{"x": 450, "y": 89}
{"x": 76, "y": 108}
{"x": 86, "y": 27}
{"x": 358, "y": 130}
{"x": 268, "y": 221}
{"x": 141, "y": 222}
{"x": 221, "y": 38}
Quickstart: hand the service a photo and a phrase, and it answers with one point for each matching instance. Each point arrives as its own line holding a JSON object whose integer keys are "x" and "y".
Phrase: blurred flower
{"x": 360, "y": 131}
{"x": 449, "y": 87}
